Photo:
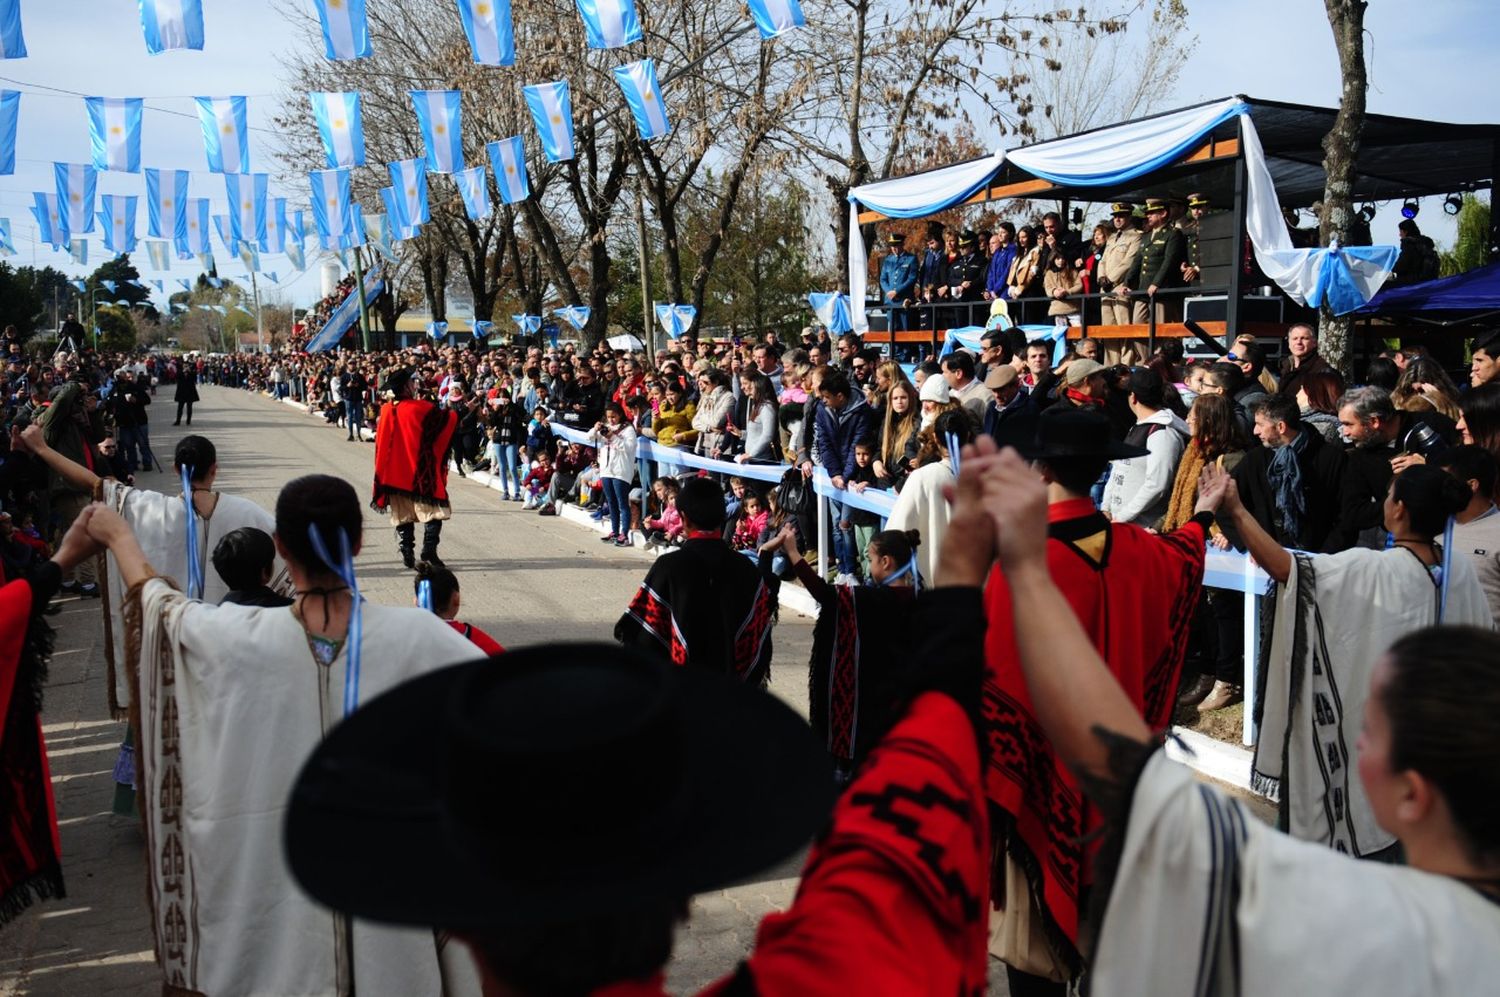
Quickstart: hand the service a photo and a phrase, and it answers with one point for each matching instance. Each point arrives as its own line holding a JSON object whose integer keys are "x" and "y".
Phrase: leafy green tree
{"x": 1471, "y": 247}
{"x": 120, "y": 272}
{"x": 20, "y": 302}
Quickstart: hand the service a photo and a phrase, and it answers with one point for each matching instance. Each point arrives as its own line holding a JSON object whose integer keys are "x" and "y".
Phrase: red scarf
{"x": 1082, "y": 398}
{"x": 411, "y": 452}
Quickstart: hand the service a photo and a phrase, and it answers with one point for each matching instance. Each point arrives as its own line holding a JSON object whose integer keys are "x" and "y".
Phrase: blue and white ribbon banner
{"x": 172, "y": 24}
{"x": 637, "y": 81}
{"x": 117, "y": 215}
{"x": 609, "y": 23}
{"x": 10, "y": 116}
{"x": 110, "y": 285}
{"x": 247, "y": 205}
{"x": 226, "y": 133}
{"x": 676, "y": 319}
{"x": 551, "y": 107}
{"x": 487, "y": 25}
{"x": 440, "y": 118}
{"x": 51, "y": 228}
{"x": 483, "y": 329}
{"x": 197, "y": 227}
{"x": 832, "y": 310}
{"x": 339, "y": 125}
{"x": 527, "y": 325}
{"x": 166, "y": 203}
{"x": 346, "y": 31}
{"x": 7, "y": 245}
{"x": 12, "y": 41}
{"x": 409, "y": 178}
{"x": 437, "y": 330}
{"x": 575, "y": 315}
{"x": 332, "y": 204}
{"x": 115, "y": 133}
{"x": 75, "y": 195}
{"x": 159, "y": 253}
{"x": 776, "y": 17}
{"x": 473, "y": 184}
{"x": 508, "y": 159}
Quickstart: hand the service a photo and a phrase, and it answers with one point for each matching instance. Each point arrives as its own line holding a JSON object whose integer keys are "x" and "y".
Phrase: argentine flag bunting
{"x": 79, "y": 248}
{"x": 473, "y": 184}
{"x": 7, "y": 247}
{"x": 508, "y": 159}
{"x": 49, "y": 220}
{"x": 166, "y": 203}
{"x": 331, "y": 204}
{"x": 776, "y": 17}
{"x": 115, "y": 132}
{"x": 172, "y": 24}
{"x": 338, "y": 118}
{"x": 439, "y": 115}
{"x": 75, "y": 195}
{"x": 117, "y": 215}
{"x": 638, "y": 82}
{"x": 296, "y": 230}
{"x": 222, "y": 225}
{"x": 158, "y": 252}
{"x": 401, "y": 230}
{"x": 609, "y": 23}
{"x": 247, "y": 205}
{"x": 10, "y": 115}
{"x": 226, "y": 134}
{"x": 552, "y": 111}
{"x": 296, "y": 256}
{"x": 197, "y": 227}
{"x": 346, "y": 33}
{"x": 576, "y": 315}
{"x": 274, "y": 240}
{"x": 492, "y": 38}
{"x": 12, "y": 42}
{"x": 409, "y": 178}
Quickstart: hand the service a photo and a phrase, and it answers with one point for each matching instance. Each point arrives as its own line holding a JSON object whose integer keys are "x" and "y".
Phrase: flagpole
{"x": 640, "y": 248}
{"x": 364, "y": 314}
{"x": 260, "y": 335}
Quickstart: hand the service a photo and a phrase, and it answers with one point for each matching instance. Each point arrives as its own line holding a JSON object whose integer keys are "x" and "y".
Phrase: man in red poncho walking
{"x": 411, "y": 466}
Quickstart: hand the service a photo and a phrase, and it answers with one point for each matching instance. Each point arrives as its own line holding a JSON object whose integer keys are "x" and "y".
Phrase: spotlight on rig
{"x": 1410, "y": 209}
{"x": 1452, "y": 204}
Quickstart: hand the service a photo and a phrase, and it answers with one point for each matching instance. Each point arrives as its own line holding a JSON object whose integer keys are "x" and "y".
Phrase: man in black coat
{"x": 1011, "y": 417}
{"x": 1384, "y": 441}
{"x": 1299, "y": 506}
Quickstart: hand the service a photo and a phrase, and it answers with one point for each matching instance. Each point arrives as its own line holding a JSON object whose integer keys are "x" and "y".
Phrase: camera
{"x": 1424, "y": 440}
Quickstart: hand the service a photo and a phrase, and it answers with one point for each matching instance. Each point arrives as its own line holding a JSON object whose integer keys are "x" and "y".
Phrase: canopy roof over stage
{"x": 1398, "y": 158}
{"x": 1471, "y": 296}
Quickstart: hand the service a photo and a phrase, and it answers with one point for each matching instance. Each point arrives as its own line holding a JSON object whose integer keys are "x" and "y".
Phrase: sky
{"x": 1432, "y": 59}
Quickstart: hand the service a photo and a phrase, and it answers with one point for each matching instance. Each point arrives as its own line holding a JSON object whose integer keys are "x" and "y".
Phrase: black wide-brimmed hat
{"x": 1067, "y": 431}
{"x": 549, "y": 782}
{"x": 393, "y": 380}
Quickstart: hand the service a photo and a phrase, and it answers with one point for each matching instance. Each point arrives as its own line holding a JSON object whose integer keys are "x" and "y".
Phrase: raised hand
{"x": 1016, "y": 499}
{"x": 1216, "y": 492}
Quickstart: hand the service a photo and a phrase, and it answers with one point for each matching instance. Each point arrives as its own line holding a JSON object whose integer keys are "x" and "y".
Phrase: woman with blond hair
{"x": 898, "y": 435}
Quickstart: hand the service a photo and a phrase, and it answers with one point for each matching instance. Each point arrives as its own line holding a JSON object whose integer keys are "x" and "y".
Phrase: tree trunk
{"x": 1340, "y": 152}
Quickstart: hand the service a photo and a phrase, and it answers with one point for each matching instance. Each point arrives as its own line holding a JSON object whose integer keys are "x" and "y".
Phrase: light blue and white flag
{"x": 75, "y": 195}
{"x": 483, "y": 329}
{"x": 172, "y": 24}
{"x": 161, "y": 285}
{"x": 225, "y": 228}
{"x": 51, "y": 226}
{"x": 492, "y": 37}
{"x": 340, "y": 125}
{"x": 12, "y": 41}
{"x": 197, "y": 228}
{"x": 187, "y": 285}
{"x": 117, "y": 215}
{"x": 437, "y": 330}
{"x": 356, "y": 235}
{"x": 10, "y": 116}
{"x": 110, "y": 285}
{"x": 776, "y": 17}
{"x": 79, "y": 250}
{"x": 7, "y": 247}
{"x": 295, "y": 255}
{"x": 676, "y": 319}
{"x": 552, "y": 111}
{"x": 400, "y": 231}
{"x": 247, "y": 205}
{"x": 166, "y": 203}
{"x": 529, "y": 325}
{"x": 206, "y": 262}
{"x": 80, "y": 284}
{"x": 115, "y": 133}
{"x": 473, "y": 184}
{"x": 638, "y": 82}
{"x": 217, "y": 283}
{"x": 270, "y": 275}
{"x": 508, "y": 158}
{"x": 159, "y": 255}
{"x": 409, "y": 179}
{"x": 440, "y": 117}
{"x": 346, "y": 32}
{"x": 249, "y": 257}
{"x": 296, "y": 229}
{"x": 332, "y": 204}
{"x": 609, "y": 23}
{"x": 274, "y": 239}
{"x": 575, "y": 315}
{"x": 226, "y": 133}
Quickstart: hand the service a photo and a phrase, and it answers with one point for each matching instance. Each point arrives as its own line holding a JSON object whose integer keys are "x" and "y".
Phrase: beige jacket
{"x": 1120, "y": 254}
{"x": 1056, "y": 279}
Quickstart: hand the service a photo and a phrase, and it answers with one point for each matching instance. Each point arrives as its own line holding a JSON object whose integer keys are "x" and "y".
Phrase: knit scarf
{"x": 1285, "y": 474}
{"x": 1184, "y": 488}
{"x": 1082, "y": 398}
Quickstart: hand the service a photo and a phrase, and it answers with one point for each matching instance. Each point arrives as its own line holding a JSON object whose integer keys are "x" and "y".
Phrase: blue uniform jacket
{"x": 898, "y": 272}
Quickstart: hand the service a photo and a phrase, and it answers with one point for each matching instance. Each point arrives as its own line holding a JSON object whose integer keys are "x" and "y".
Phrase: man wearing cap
{"x": 898, "y": 279}
{"x": 1011, "y": 415}
{"x": 1119, "y": 266}
{"x": 1085, "y": 385}
{"x": 1162, "y": 253}
{"x": 932, "y": 274}
{"x": 1198, "y": 205}
{"x": 1043, "y": 821}
{"x": 966, "y": 276}
{"x": 1139, "y": 489}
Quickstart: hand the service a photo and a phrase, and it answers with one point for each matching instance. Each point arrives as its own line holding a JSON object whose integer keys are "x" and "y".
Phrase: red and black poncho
{"x": 411, "y": 452}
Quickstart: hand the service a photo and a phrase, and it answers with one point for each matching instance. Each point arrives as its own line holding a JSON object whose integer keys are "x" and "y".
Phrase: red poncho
{"x": 1134, "y": 593}
{"x": 411, "y": 452}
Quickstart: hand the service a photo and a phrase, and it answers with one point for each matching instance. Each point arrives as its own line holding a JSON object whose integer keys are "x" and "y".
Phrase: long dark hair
{"x": 1323, "y": 388}
{"x": 1217, "y": 429}
{"x": 1481, "y": 408}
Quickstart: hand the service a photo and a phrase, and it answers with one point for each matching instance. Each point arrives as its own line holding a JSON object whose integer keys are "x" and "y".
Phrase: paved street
{"x": 525, "y": 579}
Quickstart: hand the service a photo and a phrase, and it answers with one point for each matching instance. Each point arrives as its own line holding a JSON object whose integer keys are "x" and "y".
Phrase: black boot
{"x": 432, "y": 533}
{"x": 406, "y": 540}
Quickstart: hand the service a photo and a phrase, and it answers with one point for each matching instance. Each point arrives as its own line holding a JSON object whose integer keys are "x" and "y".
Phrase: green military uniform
{"x": 1162, "y": 253}
{"x": 1190, "y": 234}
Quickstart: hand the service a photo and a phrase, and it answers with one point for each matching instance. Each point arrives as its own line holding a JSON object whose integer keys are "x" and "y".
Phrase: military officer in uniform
{"x": 932, "y": 273}
{"x": 1192, "y": 270}
{"x": 1119, "y": 266}
{"x": 966, "y": 278}
{"x": 1162, "y": 253}
{"x": 898, "y": 280}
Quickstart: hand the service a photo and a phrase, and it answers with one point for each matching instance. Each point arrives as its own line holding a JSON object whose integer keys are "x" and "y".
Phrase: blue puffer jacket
{"x": 839, "y": 431}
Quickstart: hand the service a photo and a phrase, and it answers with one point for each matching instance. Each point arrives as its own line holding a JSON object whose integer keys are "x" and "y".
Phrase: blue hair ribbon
{"x": 344, "y": 569}
{"x": 1444, "y": 571}
{"x": 194, "y": 556}
{"x": 953, "y": 446}
{"x": 424, "y": 594}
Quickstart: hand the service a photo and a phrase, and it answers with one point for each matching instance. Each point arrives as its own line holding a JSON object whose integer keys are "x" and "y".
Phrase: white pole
{"x": 1248, "y": 732}
{"x": 260, "y": 334}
